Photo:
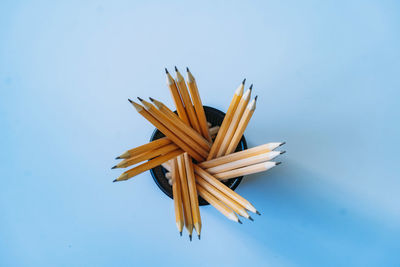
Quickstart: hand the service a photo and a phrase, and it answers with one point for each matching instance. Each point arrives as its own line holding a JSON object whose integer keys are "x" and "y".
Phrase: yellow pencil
{"x": 244, "y": 121}
{"x": 180, "y": 81}
{"x": 226, "y": 122}
{"x": 235, "y": 121}
{"x": 148, "y": 165}
{"x": 177, "y": 194}
{"x": 145, "y": 148}
{"x": 255, "y": 168}
{"x": 187, "y": 209}
{"x": 177, "y": 98}
{"x": 194, "y": 203}
{"x": 185, "y": 147}
{"x": 198, "y": 105}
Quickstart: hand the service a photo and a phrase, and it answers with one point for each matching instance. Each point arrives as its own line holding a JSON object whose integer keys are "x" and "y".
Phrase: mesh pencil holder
{"x": 215, "y": 117}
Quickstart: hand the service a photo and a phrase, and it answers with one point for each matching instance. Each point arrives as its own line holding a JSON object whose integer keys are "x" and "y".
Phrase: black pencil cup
{"x": 215, "y": 117}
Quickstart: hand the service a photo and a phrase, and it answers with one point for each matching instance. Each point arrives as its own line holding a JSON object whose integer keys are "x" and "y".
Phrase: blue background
{"x": 327, "y": 76}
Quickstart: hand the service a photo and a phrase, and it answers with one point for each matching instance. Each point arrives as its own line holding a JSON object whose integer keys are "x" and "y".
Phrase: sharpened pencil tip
{"x": 130, "y": 101}
{"x": 190, "y": 238}
{"x": 180, "y": 233}
{"x": 118, "y": 157}
{"x": 239, "y": 221}
{"x": 255, "y": 99}
{"x": 251, "y": 219}
{"x": 258, "y": 213}
{"x": 176, "y": 69}
{"x": 277, "y": 163}
{"x": 115, "y": 181}
{"x": 187, "y": 69}
{"x": 282, "y": 143}
{"x": 283, "y": 152}
{"x": 114, "y": 167}
{"x": 244, "y": 81}
{"x": 198, "y": 236}
{"x": 166, "y": 71}
{"x": 151, "y": 99}
{"x": 140, "y": 99}
{"x": 251, "y": 87}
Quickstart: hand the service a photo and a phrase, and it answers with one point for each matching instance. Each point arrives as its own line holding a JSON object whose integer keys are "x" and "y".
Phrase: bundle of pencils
{"x": 199, "y": 159}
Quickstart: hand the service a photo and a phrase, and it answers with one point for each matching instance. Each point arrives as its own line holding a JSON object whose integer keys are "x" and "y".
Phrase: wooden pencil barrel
{"x": 215, "y": 117}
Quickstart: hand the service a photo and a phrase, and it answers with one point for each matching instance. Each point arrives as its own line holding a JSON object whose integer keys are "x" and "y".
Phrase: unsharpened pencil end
{"x": 283, "y": 152}
{"x": 251, "y": 219}
{"x": 140, "y": 99}
{"x": 114, "y": 167}
{"x": 166, "y": 71}
{"x": 151, "y": 99}
{"x": 282, "y": 143}
{"x": 277, "y": 163}
{"x": 239, "y": 221}
{"x": 190, "y": 238}
{"x": 258, "y": 213}
{"x": 115, "y": 181}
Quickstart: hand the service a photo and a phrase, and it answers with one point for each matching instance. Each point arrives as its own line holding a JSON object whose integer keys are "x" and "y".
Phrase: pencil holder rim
{"x": 158, "y": 173}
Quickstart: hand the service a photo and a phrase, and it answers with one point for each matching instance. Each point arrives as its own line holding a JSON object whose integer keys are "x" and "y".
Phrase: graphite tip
{"x": 251, "y": 219}
{"x": 176, "y": 69}
{"x": 258, "y": 213}
{"x": 255, "y": 99}
{"x": 244, "y": 81}
{"x": 115, "y": 181}
{"x": 130, "y": 101}
{"x": 118, "y": 157}
{"x": 283, "y": 152}
{"x": 239, "y": 221}
{"x": 190, "y": 238}
{"x": 180, "y": 233}
{"x": 198, "y": 236}
{"x": 251, "y": 87}
{"x": 151, "y": 99}
{"x": 114, "y": 167}
{"x": 166, "y": 71}
{"x": 282, "y": 143}
{"x": 140, "y": 99}
{"x": 278, "y": 163}
{"x": 187, "y": 69}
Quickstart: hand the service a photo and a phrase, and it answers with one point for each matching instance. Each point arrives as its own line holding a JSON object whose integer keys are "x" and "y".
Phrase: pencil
{"x": 194, "y": 202}
{"x": 144, "y": 148}
{"x": 177, "y": 98}
{"x": 213, "y": 131}
{"x": 226, "y": 122}
{"x": 244, "y": 121}
{"x": 184, "y": 136}
{"x": 187, "y": 210}
{"x": 146, "y": 156}
{"x": 176, "y": 191}
{"x": 224, "y": 189}
{"x": 236, "y": 207}
{"x": 240, "y": 155}
{"x": 185, "y": 147}
{"x": 255, "y": 168}
{"x": 180, "y": 81}
{"x": 235, "y": 121}
{"x": 198, "y": 105}
{"x": 227, "y": 212}
{"x": 181, "y": 125}
{"x": 148, "y": 165}
{"x": 244, "y": 162}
